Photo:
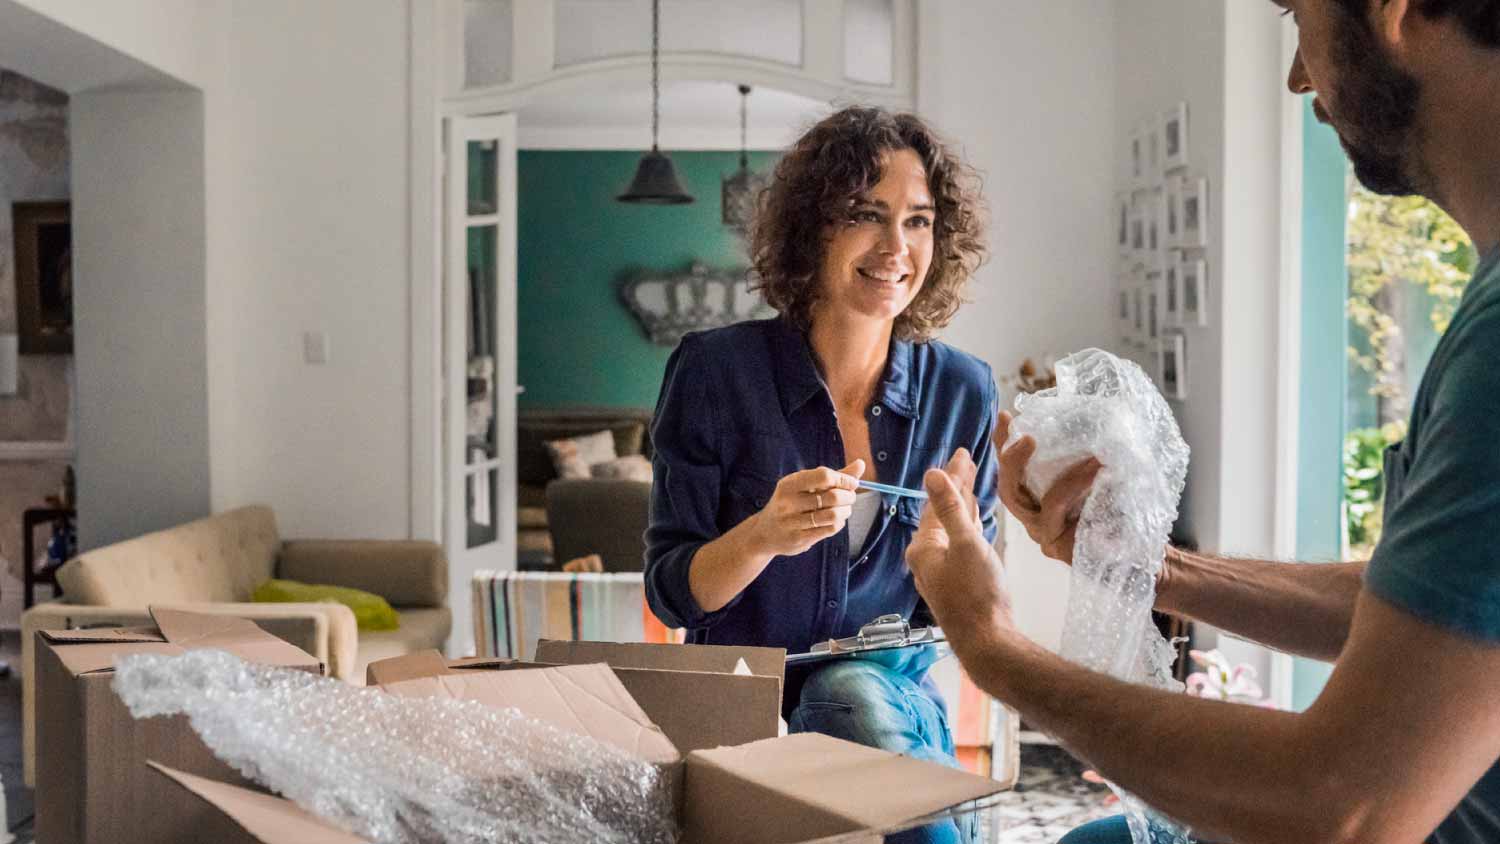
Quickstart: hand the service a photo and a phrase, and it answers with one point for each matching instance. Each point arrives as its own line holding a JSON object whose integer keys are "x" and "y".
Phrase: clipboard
{"x": 885, "y": 633}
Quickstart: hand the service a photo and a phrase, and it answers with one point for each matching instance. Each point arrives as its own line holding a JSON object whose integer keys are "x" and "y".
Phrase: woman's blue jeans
{"x": 881, "y": 705}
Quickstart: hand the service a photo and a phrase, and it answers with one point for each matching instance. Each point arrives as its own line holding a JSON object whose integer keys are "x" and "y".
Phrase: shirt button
{"x": 892, "y": 511}
{"x": 760, "y": 502}
{"x": 875, "y": 411}
{"x": 881, "y": 457}
{"x": 833, "y": 605}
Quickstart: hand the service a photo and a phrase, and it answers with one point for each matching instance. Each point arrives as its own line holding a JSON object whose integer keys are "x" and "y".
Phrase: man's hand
{"x": 1051, "y": 523}
{"x": 956, "y": 570}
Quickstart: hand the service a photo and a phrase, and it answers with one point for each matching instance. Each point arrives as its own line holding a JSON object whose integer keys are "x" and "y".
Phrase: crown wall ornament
{"x": 669, "y": 305}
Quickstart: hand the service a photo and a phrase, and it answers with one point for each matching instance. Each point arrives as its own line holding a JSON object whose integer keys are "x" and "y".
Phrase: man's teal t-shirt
{"x": 1439, "y": 555}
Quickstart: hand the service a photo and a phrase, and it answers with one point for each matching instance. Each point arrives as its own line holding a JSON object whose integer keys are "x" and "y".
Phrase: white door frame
{"x": 501, "y": 553}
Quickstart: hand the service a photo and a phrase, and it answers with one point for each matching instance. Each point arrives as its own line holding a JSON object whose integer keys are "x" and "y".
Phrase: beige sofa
{"x": 214, "y": 564}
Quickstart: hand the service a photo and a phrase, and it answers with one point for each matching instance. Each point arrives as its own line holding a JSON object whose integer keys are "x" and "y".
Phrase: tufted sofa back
{"x": 221, "y": 558}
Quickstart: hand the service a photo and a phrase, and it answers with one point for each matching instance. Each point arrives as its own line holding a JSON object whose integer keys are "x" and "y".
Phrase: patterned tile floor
{"x": 1050, "y": 798}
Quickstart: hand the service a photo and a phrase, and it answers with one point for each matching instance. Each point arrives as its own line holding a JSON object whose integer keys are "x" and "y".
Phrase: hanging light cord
{"x": 744, "y": 134}
{"x": 655, "y": 73}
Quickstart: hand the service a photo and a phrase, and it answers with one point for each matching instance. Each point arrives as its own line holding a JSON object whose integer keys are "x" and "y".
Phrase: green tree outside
{"x": 1400, "y": 248}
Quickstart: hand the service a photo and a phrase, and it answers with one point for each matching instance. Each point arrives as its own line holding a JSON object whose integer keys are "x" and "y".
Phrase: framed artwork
{"x": 1137, "y": 231}
{"x": 1122, "y": 224}
{"x": 1174, "y": 132}
{"x": 1139, "y": 137}
{"x": 1138, "y": 314}
{"x": 1124, "y": 324}
{"x": 1172, "y": 292}
{"x": 1153, "y": 307}
{"x": 1194, "y": 213}
{"x": 43, "y": 234}
{"x": 1172, "y": 211}
{"x": 1171, "y": 366}
{"x": 1192, "y": 276}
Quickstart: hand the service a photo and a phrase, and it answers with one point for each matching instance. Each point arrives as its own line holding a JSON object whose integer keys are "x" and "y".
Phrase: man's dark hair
{"x": 1479, "y": 18}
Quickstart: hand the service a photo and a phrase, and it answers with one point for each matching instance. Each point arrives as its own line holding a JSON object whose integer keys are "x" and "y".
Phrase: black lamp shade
{"x": 655, "y": 183}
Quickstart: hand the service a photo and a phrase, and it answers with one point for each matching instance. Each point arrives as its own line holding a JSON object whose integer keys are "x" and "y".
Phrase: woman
{"x": 863, "y": 243}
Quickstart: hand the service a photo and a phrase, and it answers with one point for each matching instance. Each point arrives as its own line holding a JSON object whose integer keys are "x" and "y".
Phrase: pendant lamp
{"x": 655, "y": 181}
{"x": 739, "y": 190}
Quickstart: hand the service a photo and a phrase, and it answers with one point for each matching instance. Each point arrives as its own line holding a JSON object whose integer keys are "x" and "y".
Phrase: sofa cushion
{"x": 371, "y": 612}
{"x": 631, "y": 468}
{"x": 218, "y": 559}
{"x": 573, "y": 457}
{"x": 535, "y": 426}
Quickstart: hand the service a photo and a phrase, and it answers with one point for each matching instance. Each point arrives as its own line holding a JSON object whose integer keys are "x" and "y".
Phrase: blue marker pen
{"x": 893, "y": 490}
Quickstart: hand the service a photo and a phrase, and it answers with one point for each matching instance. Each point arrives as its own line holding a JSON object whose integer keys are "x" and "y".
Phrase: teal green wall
{"x": 1324, "y": 367}
{"x": 577, "y": 344}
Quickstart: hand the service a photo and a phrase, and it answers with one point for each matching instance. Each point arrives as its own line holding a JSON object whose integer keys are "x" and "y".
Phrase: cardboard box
{"x": 91, "y": 782}
{"x": 745, "y": 682}
{"x": 783, "y": 790}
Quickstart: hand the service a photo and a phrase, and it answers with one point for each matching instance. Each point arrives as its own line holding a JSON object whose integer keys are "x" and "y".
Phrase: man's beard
{"x": 1377, "y": 105}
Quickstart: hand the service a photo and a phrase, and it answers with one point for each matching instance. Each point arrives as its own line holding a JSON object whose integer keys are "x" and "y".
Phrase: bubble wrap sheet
{"x": 1108, "y": 407}
{"x": 404, "y": 770}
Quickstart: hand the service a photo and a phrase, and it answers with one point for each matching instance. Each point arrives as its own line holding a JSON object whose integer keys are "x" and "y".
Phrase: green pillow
{"x": 371, "y": 611}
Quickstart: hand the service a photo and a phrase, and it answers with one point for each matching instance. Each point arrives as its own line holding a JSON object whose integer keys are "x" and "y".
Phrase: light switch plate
{"x": 315, "y": 347}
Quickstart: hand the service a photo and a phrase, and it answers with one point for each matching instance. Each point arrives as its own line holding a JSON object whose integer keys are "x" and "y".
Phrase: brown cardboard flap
{"x": 765, "y": 662}
{"x": 698, "y": 709}
{"x": 96, "y": 657}
{"x": 239, "y": 636}
{"x": 583, "y": 699}
{"x": 428, "y": 663}
{"x": 873, "y": 789}
{"x": 102, "y": 635}
{"x": 267, "y": 819}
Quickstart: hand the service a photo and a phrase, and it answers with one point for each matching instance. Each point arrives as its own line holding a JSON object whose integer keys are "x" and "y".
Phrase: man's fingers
{"x": 944, "y": 498}
{"x": 1066, "y": 496}
{"x": 836, "y": 497}
{"x": 1013, "y": 463}
{"x": 1002, "y": 430}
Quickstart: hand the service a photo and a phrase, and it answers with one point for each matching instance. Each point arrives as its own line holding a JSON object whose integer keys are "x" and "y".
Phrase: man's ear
{"x": 1392, "y": 17}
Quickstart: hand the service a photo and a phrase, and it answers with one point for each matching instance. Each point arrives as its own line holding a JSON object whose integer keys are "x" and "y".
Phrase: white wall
{"x": 176, "y": 37}
{"x": 138, "y": 308}
{"x": 1027, "y": 90}
{"x": 1024, "y": 88}
{"x": 310, "y": 227}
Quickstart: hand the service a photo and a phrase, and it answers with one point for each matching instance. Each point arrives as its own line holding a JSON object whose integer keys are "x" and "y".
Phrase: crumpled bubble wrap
{"x": 1108, "y": 407}
{"x": 404, "y": 770}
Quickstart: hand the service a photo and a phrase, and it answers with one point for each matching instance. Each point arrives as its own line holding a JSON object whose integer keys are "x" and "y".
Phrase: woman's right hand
{"x": 808, "y": 507}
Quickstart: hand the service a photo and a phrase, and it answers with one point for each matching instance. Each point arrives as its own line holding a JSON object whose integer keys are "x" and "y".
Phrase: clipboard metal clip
{"x": 887, "y": 631}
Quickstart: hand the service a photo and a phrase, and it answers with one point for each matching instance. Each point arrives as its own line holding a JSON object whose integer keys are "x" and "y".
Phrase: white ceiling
{"x": 694, "y": 115}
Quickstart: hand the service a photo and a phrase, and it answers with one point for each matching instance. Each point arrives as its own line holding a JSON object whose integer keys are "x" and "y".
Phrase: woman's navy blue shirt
{"x": 743, "y": 406}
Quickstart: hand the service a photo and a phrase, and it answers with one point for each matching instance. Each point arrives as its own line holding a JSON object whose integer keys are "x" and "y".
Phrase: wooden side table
{"x": 30, "y": 519}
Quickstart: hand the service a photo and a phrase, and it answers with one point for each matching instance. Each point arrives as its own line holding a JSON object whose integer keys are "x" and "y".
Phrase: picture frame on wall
{"x": 1124, "y": 320}
{"x": 1172, "y": 211}
{"x": 1138, "y": 313}
{"x": 1137, "y": 157}
{"x": 43, "y": 246}
{"x": 1174, "y": 131}
{"x": 1171, "y": 366}
{"x": 1192, "y": 276}
{"x": 1137, "y": 232}
{"x": 1172, "y": 292}
{"x": 1194, "y": 205}
{"x": 1122, "y": 224}
{"x": 1153, "y": 306}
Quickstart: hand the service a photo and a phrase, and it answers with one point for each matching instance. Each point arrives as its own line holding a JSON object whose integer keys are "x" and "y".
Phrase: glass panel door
{"x": 479, "y": 358}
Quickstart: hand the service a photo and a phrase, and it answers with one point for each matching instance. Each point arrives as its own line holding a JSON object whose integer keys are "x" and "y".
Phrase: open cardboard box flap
{"x": 265, "y": 818}
{"x": 719, "y": 659}
{"x": 584, "y": 699}
{"x": 796, "y": 788}
{"x": 177, "y": 631}
{"x": 683, "y": 690}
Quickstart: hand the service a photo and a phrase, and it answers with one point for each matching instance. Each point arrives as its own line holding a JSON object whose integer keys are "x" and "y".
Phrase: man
{"x": 1402, "y": 744}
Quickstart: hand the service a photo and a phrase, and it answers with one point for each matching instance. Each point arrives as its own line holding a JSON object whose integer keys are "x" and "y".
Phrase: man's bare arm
{"x": 1294, "y": 607}
{"x": 1300, "y": 608}
{"x": 1382, "y": 756}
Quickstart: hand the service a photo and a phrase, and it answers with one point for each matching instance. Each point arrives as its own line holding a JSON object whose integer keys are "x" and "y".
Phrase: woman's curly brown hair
{"x": 815, "y": 185}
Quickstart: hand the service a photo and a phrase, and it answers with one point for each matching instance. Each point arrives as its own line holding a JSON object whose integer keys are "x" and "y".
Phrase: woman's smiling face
{"x": 876, "y": 259}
